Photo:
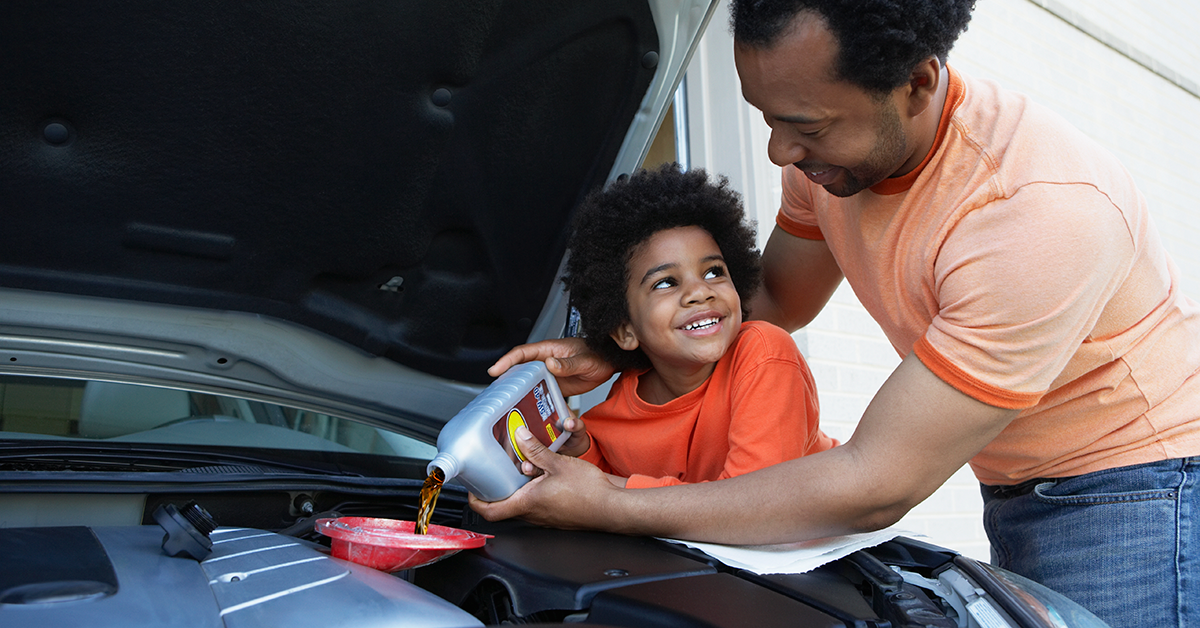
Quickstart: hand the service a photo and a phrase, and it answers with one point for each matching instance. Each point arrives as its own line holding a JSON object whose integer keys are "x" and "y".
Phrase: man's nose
{"x": 783, "y": 149}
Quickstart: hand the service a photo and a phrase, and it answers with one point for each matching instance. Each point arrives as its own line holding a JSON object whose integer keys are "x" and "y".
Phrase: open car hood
{"x": 357, "y": 206}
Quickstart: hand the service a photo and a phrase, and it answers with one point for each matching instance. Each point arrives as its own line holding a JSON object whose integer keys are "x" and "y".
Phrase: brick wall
{"x": 1125, "y": 73}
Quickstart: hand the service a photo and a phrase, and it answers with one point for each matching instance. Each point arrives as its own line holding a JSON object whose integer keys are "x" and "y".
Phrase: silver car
{"x": 256, "y": 253}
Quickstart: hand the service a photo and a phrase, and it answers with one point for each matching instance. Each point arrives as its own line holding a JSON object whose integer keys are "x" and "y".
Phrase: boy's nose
{"x": 698, "y": 291}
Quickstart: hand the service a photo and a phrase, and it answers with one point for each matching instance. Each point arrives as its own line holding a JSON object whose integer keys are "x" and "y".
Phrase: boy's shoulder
{"x": 765, "y": 340}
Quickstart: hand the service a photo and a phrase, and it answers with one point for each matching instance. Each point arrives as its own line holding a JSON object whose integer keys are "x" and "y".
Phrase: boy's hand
{"x": 576, "y": 369}
{"x": 580, "y": 441}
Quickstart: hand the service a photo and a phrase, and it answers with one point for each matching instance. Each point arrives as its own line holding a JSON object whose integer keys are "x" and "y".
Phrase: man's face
{"x": 841, "y": 136}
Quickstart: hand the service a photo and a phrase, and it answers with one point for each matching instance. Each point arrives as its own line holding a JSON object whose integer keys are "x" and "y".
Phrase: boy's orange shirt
{"x": 1019, "y": 264}
{"x": 759, "y": 407}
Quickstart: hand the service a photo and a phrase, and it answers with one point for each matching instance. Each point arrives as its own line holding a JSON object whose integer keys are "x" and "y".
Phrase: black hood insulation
{"x": 397, "y": 174}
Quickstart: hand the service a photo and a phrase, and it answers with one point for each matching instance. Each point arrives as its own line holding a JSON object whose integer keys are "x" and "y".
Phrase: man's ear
{"x": 624, "y": 337}
{"x": 923, "y": 83}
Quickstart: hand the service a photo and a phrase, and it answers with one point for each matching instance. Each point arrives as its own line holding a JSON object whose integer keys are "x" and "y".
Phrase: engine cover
{"x": 120, "y": 576}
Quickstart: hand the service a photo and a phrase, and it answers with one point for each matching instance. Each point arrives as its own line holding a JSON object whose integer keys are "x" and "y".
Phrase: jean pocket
{"x": 1109, "y": 487}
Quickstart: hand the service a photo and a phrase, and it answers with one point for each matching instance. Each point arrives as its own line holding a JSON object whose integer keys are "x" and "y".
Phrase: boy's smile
{"x": 684, "y": 311}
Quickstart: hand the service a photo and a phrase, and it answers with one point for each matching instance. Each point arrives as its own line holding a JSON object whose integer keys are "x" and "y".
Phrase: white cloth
{"x": 793, "y": 557}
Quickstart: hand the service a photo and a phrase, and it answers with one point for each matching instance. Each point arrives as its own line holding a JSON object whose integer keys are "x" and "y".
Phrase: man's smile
{"x": 820, "y": 175}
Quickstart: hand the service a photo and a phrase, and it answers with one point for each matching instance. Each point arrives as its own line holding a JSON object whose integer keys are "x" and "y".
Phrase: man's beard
{"x": 884, "y": 159}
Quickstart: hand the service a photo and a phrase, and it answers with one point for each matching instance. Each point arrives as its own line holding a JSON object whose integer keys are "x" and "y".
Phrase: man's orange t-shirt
{"x": 758, "y": 408}
{"x": 1020, "y": 264}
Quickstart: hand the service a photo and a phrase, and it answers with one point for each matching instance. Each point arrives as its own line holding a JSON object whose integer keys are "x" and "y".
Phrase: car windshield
{"x": 91, "y": 410}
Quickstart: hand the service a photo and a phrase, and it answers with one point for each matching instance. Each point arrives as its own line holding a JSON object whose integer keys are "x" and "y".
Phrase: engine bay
{"x": 268, "y": 566}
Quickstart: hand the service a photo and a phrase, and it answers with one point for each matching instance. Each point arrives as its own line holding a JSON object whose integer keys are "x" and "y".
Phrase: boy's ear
{"x": 624, "y": 337}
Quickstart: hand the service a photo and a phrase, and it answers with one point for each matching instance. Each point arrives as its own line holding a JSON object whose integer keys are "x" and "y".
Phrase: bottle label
{"x": 536, "y": 411}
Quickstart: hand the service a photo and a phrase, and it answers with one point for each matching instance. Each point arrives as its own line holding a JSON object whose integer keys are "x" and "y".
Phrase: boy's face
{"x": 684, "y": 311}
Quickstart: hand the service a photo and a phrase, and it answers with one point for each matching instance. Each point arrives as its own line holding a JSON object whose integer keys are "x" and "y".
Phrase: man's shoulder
{"x": 1001, "y": 141}
{"x": 1014, "y": 128}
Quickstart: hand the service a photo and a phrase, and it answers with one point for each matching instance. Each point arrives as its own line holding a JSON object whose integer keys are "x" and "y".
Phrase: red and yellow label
{"x": 533, "y": 409}
{"x": 515, "y": 420}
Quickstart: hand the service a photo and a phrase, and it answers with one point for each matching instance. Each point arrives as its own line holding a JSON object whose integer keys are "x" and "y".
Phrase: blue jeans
{"x": 1124, "y": 542}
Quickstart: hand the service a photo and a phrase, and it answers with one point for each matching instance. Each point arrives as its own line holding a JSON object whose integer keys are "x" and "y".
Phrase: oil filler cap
{"x": 187, "y": 530}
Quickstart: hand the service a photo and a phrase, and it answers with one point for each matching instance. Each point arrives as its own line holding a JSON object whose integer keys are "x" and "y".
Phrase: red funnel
{"x": 391, "y": 545}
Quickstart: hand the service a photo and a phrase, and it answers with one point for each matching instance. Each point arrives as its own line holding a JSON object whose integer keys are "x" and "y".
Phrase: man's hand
{"x": 576, "y": 368}
{"x": 569, "y": 494}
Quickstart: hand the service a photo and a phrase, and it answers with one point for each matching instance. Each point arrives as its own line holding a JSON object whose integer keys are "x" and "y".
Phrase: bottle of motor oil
{"x": 479, "y": 445}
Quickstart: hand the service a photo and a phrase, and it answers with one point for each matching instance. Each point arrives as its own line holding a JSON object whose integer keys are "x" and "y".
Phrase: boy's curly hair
{"x": 612, "y": 222}
{"x": 880, "y": 41}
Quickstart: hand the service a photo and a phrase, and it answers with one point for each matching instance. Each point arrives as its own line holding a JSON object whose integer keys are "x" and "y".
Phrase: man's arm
{"x": 915, "y": 434}
{"x": 799, "y": 276}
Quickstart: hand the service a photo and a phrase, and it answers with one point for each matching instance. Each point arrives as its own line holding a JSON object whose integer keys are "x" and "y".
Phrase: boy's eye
{"x": 666, "y": 282}
{"x": 714, "y": 272}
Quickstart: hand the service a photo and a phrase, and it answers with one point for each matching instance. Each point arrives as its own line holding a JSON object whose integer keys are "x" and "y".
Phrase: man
{"x": 1012, "y": 263}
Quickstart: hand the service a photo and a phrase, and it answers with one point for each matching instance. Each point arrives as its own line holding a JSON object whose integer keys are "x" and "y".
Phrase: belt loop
{"x": 1018, "y": 490}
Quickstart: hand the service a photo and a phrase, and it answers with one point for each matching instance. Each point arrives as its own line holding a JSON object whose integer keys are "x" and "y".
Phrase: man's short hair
{"x": 880, "y": 41}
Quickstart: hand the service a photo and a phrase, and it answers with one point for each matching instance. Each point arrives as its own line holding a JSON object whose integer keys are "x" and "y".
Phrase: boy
{"x": 660, "y": 265}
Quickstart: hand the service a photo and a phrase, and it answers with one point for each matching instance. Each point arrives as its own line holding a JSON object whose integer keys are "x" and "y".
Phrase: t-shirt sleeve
{"x": 796, "y": 215}
{"x": 1020, "y": 284}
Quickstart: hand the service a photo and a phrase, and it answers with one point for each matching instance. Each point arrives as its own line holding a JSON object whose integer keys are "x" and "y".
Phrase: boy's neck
{"x": 660, "y": 385}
